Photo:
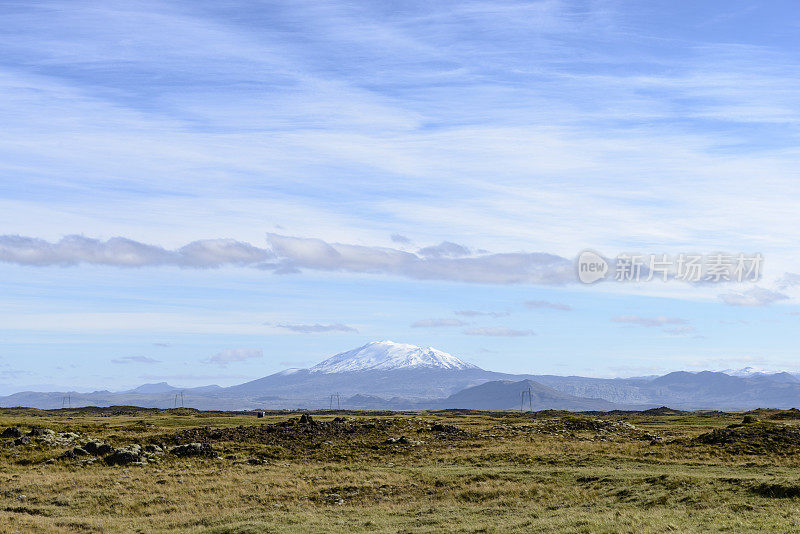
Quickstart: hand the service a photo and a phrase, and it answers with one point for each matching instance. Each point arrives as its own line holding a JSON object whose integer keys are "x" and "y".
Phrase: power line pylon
{"x": 529, "y": 394}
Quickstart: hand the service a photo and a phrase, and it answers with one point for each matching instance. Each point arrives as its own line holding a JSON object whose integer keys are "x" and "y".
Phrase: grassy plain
{"x": 453, "y": 471}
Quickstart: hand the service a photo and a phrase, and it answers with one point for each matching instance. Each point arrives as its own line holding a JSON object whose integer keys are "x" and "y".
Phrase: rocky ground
{"x": 87, "y": 450}
{"x": 752, "y": 436}
{"x": 123, "y": 470}
{"x": 308, "y": 430}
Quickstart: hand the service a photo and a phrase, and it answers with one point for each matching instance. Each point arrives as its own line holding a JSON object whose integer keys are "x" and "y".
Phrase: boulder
{"x": 12, "y": 432}
{"x": 98, "y": 448}
{"x": 127, "y": 455}
{"x": 193, "y": 449}
{"x": 306, "y": 419}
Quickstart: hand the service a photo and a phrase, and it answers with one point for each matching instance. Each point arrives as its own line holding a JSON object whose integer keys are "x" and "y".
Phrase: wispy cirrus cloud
{"x": 316, "y": 328}
{"x": 135, "y": 359}
{"x": 672, "y": 326}
{"x": 477, "y": 313}
{"x": 507, "y": 122}
{"x": 227, "y": 356}
{"x": 680, "y": 330}
{"x": 757, "y": 296}
{"x": 436, "y": 323}
{"x": 649, "y": 322}
{"x": 544, "y": 304}
{"x": 192, "y": 376}
{"x": 498, "y": 331}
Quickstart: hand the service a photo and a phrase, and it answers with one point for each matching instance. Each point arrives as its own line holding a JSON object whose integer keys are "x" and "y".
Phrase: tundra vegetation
{"x": 125, "y": 469}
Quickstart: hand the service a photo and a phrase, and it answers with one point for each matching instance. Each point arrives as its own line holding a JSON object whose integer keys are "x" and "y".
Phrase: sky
{"x": 210, "y": 192}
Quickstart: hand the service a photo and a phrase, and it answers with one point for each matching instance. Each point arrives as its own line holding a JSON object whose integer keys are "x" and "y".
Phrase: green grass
{"x": 511, "y": 472}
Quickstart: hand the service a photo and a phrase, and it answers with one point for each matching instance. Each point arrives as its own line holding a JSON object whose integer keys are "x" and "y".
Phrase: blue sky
{"x": 257, "y": 186}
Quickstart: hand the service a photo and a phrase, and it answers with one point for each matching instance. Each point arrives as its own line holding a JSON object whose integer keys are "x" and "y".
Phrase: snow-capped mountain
{"x": 385, "y": 375}
{"x": 389, "y": 356}
{"x": 749, "y": 371}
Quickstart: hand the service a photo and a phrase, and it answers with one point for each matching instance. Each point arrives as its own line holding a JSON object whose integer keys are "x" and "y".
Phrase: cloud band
{"x": 288, "y": 254}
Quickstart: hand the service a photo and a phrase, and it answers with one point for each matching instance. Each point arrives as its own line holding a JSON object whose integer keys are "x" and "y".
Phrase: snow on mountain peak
{"x": 747, "y": 372}
{"x": 387, "y": 355}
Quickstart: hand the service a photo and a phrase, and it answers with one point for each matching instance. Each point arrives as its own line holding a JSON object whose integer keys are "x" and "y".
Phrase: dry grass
{"x": 542, "y": 472}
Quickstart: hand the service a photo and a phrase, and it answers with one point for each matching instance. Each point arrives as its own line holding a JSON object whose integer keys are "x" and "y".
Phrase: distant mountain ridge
{"x": 688, "y": 390}
{"x": 750, "y": 372}
{"x": 395, "y": 376}
{"x": 510, "y": 395}
{"x": 160, "y": 387}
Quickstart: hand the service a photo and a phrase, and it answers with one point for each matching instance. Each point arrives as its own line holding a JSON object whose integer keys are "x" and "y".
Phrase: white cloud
{"x": 445, "y": 249}
{"x": 788, "y": 280}
{"x": 123, "y": 252}
{"x": 234, "y": 355}
{"x": 758, "y": 296}
{"x": 504, "y": 268}
{"x": 210, "y": 253}
{"x": 290, "y": 254}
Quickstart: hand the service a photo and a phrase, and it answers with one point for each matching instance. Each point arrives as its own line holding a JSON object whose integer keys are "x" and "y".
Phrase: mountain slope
{"x": 508, "y": 395}
{"x": 390, "y": 356}
{"x": 382, "y": 368}
{"x": 160, "y": 387}
{"x": 414, "y": 384}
